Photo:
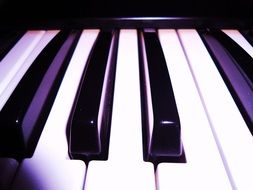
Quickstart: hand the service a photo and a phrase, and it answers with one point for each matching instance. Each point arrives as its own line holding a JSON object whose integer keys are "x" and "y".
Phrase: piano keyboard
{"x": 217, "y": 145}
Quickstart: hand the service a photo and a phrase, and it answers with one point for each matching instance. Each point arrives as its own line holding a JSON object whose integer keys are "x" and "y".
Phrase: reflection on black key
{"x": 24, "y": 114}
{"x": 161, "y": 124}
{"x": 236, "y": 68}
{"x": 7, "y": 40}
{"x": 89, "y": 124}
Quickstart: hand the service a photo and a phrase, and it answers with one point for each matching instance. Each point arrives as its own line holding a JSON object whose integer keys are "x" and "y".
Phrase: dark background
{"x": 127, "y": 8}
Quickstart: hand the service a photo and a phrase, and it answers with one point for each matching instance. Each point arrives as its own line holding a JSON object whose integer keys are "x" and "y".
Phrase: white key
{"x": 125, "y": 168}
{"x": 239, "y": 39}
{"x": 13, "y": 61}
{"x": 230, "y": 131}
{"x": 204, "y": 168}
{"x": 50, "y": 167}
{"x": 47, "y": 37}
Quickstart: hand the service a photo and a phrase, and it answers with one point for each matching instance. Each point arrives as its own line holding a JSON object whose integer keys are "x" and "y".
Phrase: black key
{"x": 8, "y": 168}
{"x": 162, "y": 134}
{"x": 248, "y": 34}
{"x": 88, "y": 138}
{"x": 8, "y": 39}
{"x": 236, "y": 68}
{"x": 24, "y": 114}
{"x": 240, "y": 56}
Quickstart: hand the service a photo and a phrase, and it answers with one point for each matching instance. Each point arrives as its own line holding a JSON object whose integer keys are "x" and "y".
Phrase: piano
{"x": 126, "y": 95}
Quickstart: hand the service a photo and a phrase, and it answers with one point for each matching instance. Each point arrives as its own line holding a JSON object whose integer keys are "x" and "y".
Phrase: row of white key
{"x": 19, "y": 59}
{"x": 13, "y": 61}
{"x": 50, "y": 167}
{"x": 230, "y": 130}
{"x": 125, "y": 168}
{"x": 204, "y": 167}
{"x": 210, "y": 161}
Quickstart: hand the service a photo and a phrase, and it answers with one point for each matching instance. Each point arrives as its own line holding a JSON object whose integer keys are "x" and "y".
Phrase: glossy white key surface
{"x": 204, "y": 168}
{"x": 13, "y": 61}
{"x": 239, "y": 39}
{"x": 50, "y": 167}
{"x": 125, "y": 168}
{"x": 231, "y": 133}
{"x": 47, "y": 37}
